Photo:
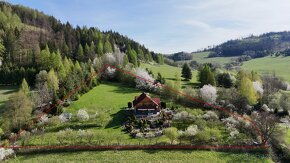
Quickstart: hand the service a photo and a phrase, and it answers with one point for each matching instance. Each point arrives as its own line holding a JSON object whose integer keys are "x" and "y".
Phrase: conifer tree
{"x": 80, "y": 55}
{"x": 100, "y": 48}
{"x": 108, "y": 47}
{"x": 186, "y": 72}
{"x": 24, "y": 87}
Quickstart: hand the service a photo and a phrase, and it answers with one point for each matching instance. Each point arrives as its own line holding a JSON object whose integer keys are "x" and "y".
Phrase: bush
{"x": 208, "y": 93}
{"x": 210, "y": 115}
{"x": 85, "y": 135}
{"x": 66, "y": 136}
{"x": 171, "y": 134}
{"x": 209, "y": 136}
{"x": 83, "y": 115}
{"x": 54, "y": 121}
{"x": 5, "y": 153}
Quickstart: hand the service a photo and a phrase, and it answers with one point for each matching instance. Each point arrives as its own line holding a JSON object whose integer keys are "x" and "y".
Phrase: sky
{"x": 169, "y": 26}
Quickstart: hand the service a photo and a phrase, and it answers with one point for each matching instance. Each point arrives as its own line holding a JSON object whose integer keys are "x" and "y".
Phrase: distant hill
{"x": 180, "y": 56}
{"x": 277, "y": 43}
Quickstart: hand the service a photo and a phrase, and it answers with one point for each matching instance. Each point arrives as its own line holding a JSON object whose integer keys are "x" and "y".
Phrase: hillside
{"x": 270, "y": 65}
{"x": 25, "y": 33}
{"x": 254, "y": 46}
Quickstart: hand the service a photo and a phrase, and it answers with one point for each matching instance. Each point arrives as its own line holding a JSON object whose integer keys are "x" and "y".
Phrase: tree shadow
{"x": 117, "y": 119}
{"x": 73, "y": 126}
{"x": 194, "y": 85}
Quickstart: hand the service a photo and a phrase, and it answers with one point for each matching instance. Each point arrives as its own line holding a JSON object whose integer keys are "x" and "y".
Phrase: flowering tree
{"x": 191, "y": 130}
{"x": 110, "y": 72}
{"x": 83, "y": 115}
{"x": 5, "y": 153}
{"x": 258, "y": 87}
{"x": 144, "y": 81}
{"x": 210, "y": 115}
{"x": 208, "y": 93}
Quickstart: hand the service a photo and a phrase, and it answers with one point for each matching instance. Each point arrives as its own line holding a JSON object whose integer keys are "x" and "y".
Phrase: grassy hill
{"x": 202, "y": 57}
{"x": 278, "y": 65}
{"x": 169, "y": 72}
{"x": 5, "y": 92}
{"x": 109, "y": 98}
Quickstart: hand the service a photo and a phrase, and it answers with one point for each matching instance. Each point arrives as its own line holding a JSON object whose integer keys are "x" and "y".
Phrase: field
{"x": 169, "y": 72}
{"x": 5, "y": 92}
{"x": 110, "y": 98}
{"x": 202, "y": 57}
{"x": 143, "y": 156}
{"x": 278, "y": 65}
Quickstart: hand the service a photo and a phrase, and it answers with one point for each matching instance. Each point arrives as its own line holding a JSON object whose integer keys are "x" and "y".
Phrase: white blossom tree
{"x": 110, "y": 72}
{"x": 83, "y": 115}
{"x": 192, "y": 130}
{"x": 210, "y": 115}
{"x": 144, "y": 81}
{"x": 208, "y": 93}
{"x": 5, "y": 153}
{"x": 258, "y": 87}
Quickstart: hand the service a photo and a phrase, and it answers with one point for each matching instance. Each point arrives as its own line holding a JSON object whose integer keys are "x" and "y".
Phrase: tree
{"x": 224, "y": 80}
{"x": 125, "y": 60}
{"x": 247, "y": 90}
{"x": 171, "y": 133}
{"x": 108, "y": 47}
{"x": 18, "y": 110}
{"x": 132, "y": 56}
{"x": 186, "y": 72}
{"x": 44, "y": 58}
{"x": 24, "y": 87}
{"x": 144, "y": 81}
{"x": 53, "y": 82}
{"x": 1, "y": 134}
{"x": 206, "y": 76}
{"x": 100, "y": 48}
{"x": 208, "y": 93}
{"x": 160, "y": 79}
{"x": 80, "y": 55}
{"x": 266, "y": 123}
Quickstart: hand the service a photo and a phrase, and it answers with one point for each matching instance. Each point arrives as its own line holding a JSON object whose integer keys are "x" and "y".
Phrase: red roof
{"x": 144, "y": 95}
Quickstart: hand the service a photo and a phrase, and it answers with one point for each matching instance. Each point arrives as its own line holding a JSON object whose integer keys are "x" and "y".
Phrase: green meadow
{"x": 267, "y": 65}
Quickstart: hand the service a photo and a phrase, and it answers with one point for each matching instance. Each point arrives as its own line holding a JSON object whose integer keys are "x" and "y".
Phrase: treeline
{"x": 180, "y": 56}
{"x": 25, "y": 33}
{"x": 254, "y": 46}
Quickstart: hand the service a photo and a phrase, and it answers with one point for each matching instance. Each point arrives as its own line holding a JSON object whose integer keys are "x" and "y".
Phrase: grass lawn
{"x": 278, "y": 65}
{"x": 143, "y": 156}
{"x": 168, "y": 72}
{"x": 110, "y": 98}
{"x": 202, "y": 57}
{"x": 5, "y": 92}
{"x": 107, "y": 98}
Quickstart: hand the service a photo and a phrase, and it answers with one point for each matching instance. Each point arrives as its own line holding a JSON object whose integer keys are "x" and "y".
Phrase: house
{"x": 144, "y": 105}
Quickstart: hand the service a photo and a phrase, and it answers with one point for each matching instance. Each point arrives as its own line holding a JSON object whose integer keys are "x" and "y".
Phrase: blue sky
{"x": 169, "y": 26}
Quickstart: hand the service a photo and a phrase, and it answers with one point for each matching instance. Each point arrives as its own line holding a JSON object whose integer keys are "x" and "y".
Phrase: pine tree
{"x": 24, "y": 87}
{"x": 100, "y": 48}
{"x": 206, "y": 76}
{"x": 52, "y": 81}
{"x": 44, "y": 58}
{"x": 80, "y": 55}
{"x": 132, "y": 56}
{"x": 186, "y": 72}
{"x": 108, "y": 47}
{"x": 125, "y": 60}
